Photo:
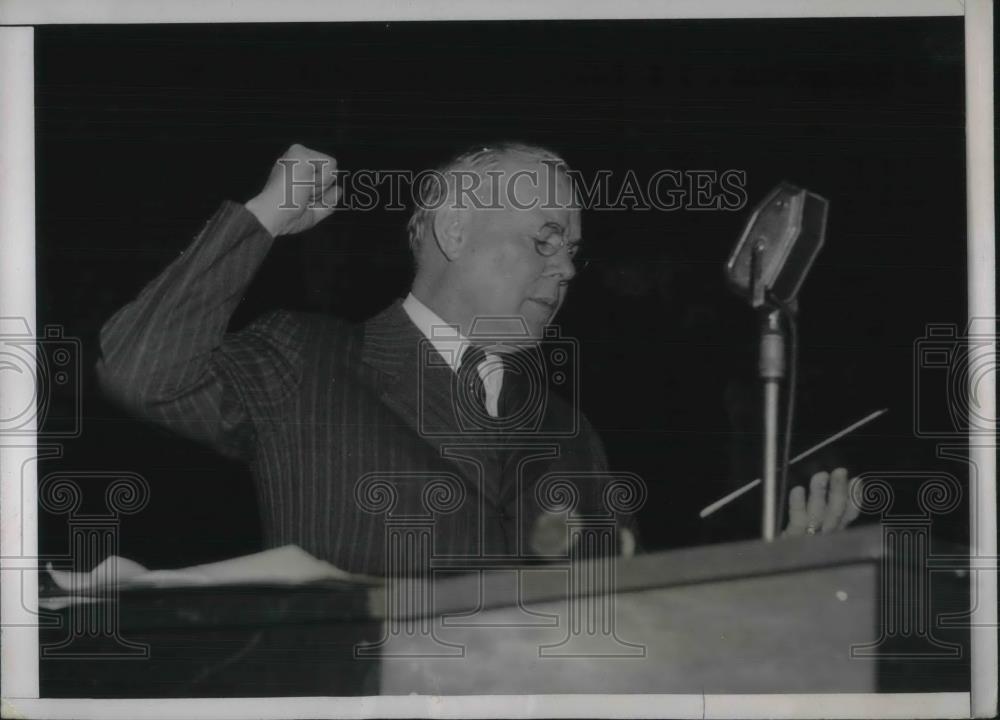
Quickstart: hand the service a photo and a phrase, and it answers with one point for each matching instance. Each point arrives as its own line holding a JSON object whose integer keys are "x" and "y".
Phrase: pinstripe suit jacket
{"x": 349, "y": 434}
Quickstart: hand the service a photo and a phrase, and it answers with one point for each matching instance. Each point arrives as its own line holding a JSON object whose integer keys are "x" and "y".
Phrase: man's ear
{"x": 448, "y": 231}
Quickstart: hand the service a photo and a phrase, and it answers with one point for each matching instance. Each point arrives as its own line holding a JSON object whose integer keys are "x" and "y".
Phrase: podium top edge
{"x": 723, "y": 562}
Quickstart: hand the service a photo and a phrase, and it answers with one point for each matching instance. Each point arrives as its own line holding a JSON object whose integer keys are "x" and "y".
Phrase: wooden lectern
{"x": 798, "y": 615}
{"x": 736, "y": 618}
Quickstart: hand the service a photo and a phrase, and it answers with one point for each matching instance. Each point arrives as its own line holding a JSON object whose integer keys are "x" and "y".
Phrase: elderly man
{"x": 424, "y": 414}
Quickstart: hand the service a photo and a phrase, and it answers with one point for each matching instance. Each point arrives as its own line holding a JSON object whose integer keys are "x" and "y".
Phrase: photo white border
{"x": 44, "y": 12}
{"x": 981, "y": 224}
{"x": 18, "y": 516}
{"x": 18, "y": 498}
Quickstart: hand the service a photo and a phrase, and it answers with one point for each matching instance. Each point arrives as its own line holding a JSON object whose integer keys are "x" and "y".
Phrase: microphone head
{"x": 779, "y": 243}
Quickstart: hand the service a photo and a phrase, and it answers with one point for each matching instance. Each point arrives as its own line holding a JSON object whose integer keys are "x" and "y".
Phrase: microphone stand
{"x": 771, "y": 370}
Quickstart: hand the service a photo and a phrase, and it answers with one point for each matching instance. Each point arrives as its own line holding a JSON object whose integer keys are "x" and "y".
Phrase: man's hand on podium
{"x": 828, "y": 508}
{"x": 551, "y": 536}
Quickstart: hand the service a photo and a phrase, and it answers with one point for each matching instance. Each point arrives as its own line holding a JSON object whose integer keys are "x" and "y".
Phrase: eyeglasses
{"x": 547, "y": 247}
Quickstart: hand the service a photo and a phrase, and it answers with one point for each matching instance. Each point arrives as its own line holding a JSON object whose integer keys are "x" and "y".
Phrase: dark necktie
{"x": 512, "y": 396}
{"x": 470, "y": 381}
{"x": 516, "y": 393}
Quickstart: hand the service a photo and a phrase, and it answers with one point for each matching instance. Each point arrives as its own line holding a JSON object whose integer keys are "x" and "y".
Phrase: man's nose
{"x": 561, "y": 265}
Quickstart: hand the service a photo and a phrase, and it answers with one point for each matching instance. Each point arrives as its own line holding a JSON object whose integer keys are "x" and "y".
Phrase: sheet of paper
{"x": 286, "y": 565}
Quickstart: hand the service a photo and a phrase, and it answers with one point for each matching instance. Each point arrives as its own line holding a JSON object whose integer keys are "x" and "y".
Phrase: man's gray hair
{"x": 437, "y": 185}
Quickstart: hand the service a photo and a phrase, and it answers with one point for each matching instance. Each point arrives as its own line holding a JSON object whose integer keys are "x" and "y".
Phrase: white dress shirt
{"x": 451, "y": 344}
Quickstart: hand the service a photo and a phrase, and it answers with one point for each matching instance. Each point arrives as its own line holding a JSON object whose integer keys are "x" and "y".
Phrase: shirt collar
{"x": 445, "y": 337}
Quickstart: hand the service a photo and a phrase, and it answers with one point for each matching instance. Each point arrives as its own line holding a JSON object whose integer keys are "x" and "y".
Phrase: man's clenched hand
{"x": 300, "y": 192}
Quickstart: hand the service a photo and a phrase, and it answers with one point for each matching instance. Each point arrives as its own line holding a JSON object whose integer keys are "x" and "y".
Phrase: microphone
{"x": 779, "y": 243}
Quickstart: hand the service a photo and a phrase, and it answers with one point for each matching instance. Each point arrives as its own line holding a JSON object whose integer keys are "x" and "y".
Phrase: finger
{"x": 330, "y": 178}
{"x": 627, "y": 543}
{"x": 321, "y": 208}
{"x": 550, "y": 535}
{"x": 852, "y": 511}
{"x": 816, "y": 504}
{"x": 326, "y": 190}
{"x": 796, "y": 511}
{"x": 331, "y": 195}
{"x": 301, "y": 152}
{"x": 836, "y": 502}
{"x": 308, "y": 166}
{"x": 324, "y": 171}
{"x": 320, "y": 175}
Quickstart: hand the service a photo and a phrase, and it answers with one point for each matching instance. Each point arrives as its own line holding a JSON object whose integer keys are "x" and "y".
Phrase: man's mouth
{"x": 548, "y": 303}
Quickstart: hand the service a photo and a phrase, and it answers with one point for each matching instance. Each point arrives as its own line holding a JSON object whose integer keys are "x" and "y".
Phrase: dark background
{"x": 143, "y": 130}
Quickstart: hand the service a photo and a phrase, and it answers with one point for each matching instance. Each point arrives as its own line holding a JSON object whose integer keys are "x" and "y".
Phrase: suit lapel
{"x": 535, "y": 457}
{"x": 416, "y": 383}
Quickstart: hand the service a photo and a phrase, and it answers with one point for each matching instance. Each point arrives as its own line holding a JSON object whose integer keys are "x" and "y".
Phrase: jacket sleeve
{"x": 166, "y": 355}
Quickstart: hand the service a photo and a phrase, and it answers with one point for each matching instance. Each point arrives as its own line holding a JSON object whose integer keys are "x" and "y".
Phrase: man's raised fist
{"x": 301, "y": 191}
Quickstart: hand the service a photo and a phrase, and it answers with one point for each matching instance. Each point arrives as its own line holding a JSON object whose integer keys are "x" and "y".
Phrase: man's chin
{"x": 536, "y": 328}
{"x": 529, "y": 326}
{"x": 538, "y": 316}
